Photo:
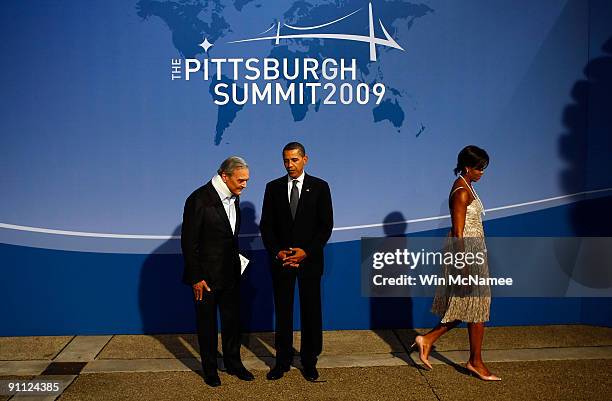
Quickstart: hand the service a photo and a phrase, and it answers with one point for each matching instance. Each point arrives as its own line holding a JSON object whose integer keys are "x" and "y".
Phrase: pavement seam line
{"x": 362, "y": 360}
{"x": 68, "y": 385}
{"x": 414, "y": 364}
{"x": 104, "y": 346}
{"x": 63, "y": 348}
{"x": 82, "y": 348}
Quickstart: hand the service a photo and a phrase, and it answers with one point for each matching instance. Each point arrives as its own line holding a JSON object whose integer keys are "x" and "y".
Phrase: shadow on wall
{"x": 387, "y": 312}
{"x": 257, "y": 301}
{"x": 166, "y": 304}
{"x": 586, "y": 147}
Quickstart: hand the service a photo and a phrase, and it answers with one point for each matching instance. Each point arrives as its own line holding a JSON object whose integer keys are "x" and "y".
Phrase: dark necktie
{"x": 294, "y": 198}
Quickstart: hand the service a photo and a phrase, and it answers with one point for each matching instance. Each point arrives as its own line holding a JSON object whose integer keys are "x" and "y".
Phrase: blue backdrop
{"x": 100, "y": 146}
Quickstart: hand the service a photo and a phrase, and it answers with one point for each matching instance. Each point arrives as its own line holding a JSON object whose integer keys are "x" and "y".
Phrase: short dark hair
{"x": 471, "y": 156}
{"x": 294, "y": 146}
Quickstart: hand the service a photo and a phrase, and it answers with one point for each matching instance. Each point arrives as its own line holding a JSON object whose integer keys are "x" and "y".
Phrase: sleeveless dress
{"x": 450, "y": 303}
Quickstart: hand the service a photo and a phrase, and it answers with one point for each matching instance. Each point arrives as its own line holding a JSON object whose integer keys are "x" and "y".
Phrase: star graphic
{"x": 206, "y": 45}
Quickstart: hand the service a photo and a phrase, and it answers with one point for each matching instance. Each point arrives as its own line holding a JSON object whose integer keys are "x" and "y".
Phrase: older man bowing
{"x": 209, "y": 241}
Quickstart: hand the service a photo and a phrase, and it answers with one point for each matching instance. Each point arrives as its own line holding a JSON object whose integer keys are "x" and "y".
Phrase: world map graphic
{"x": 190, "y": 21}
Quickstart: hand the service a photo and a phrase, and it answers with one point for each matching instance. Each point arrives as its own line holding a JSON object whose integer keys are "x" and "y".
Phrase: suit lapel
{"x": 218, "y": 206}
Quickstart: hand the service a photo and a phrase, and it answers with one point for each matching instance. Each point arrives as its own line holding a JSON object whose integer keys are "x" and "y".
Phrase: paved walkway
{"x": 543, "y": 362}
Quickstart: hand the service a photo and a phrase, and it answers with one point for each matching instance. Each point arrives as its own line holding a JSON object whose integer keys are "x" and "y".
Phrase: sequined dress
{"x": 472, "y": 304}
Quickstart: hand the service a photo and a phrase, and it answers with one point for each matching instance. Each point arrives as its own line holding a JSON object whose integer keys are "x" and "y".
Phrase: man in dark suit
{"x": 209, "y": 240}
{"x": 296, "y": 222}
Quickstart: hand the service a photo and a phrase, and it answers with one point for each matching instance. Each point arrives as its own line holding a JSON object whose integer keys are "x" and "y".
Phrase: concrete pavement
{"x": 536, "y": 362}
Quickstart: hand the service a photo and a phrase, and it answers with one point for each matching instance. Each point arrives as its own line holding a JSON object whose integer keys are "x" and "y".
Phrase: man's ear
{"x": 305, "y": 159}
{"x": 224, "y": 177}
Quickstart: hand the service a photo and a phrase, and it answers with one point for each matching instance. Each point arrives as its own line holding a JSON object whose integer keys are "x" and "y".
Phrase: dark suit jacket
{"x": 210, "y": 249}
{"x": 312, "y": 226}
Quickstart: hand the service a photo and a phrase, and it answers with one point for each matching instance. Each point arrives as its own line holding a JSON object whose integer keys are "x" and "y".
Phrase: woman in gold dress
{"x": 471, "y": 306}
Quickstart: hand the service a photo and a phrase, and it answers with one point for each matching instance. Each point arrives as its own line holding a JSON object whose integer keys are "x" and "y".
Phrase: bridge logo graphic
{"x": 371, "y": 38}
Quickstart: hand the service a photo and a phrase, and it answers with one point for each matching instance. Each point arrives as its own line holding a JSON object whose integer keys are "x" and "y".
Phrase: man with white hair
{"x": 209, "y": 241}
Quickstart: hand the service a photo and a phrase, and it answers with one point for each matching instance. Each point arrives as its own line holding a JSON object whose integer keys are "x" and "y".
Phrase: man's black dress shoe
{"x": 241, "y": 373}
{"x": 310, "y": 373}
{"x": 212, "y": 380}
{"x": 277, "y": 372}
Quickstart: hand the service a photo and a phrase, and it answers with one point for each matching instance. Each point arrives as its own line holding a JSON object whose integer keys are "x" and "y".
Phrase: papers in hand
{"x": 243, "y": 263}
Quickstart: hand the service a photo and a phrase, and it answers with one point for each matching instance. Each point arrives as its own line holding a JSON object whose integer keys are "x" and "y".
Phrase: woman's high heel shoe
{"x": 489, "y": 378}
{"x": 418, "y": 342}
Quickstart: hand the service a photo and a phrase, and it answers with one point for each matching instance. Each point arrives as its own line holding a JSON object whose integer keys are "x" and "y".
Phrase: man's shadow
{"x": 166, "y": 304}
{"x": 388, "y": 313}
{"x": 257, "y": 302}
{"x": 586, "y": 146}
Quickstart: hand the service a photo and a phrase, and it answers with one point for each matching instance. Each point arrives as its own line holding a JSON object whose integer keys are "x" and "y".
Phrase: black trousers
{"x": 228, "y": 302}
{"x": 283, "y": 282}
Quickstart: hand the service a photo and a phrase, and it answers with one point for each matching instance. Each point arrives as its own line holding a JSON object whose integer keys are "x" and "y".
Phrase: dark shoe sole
{"x": 278, "y": 373}
{"x": 213, "y": 383}
{"x": 310, "y": 376}
{"x": 242, "y": 377}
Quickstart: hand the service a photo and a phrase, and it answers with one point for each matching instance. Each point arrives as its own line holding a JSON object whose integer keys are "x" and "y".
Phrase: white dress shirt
{"x": 300, "y": 182}
{"x": 227, "y": 198}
